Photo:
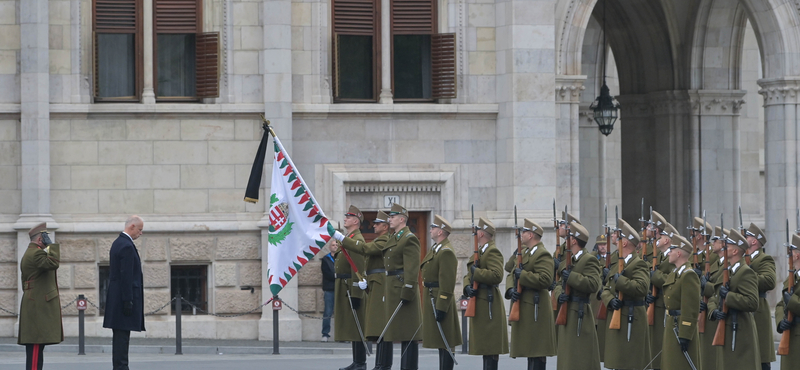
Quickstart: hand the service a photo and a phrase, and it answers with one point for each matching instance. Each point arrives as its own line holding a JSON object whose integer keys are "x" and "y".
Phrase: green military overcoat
{"x": 374, "y": 314}
{"x": 663, "y": 269}
{"x": 790, "y": 361}
{"x": 708, "y": 351}
{"x": 536, "y": 277}
{"x": 487, "y": 336}
{"x": 401, "y": 260}
{"x": 764, "y": 266}
{"x": 345, "y": 328}
{"x": 439, "y": 279}
{"x": 562, "y": 252}
{"x": 633, "y": 283}
{"x": 40, "y": 309}
{"x": 602, "y": 324}
{"x": 580, "y": 351}
{"x": 742, "y": 297}
{"x": 681, "y": 292}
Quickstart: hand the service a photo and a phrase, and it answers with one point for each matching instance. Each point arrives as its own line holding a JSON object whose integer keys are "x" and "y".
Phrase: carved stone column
{"x": 568, "y": 184}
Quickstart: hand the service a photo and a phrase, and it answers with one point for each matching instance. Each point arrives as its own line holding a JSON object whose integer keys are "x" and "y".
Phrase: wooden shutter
{"x": 413, "y": 17}
{"x": 207, "y": 64}
{"x": 354, "y": 17}
{"x": 177, "y": 16}
{"x": 116, "y": 16}
{"x": 443, "y": 65}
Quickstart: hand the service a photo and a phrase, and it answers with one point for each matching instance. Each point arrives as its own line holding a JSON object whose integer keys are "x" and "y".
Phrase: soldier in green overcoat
{"x": 577, "y": 340}
{"x": 40, "y": 307}
{"x": 375, "y": 316}
{"x": 349, "y": 293}
{"x": 682, "y": 300}
{"x": 764, "y": 266}
{"x": 535, "y": 315}
{"x": 488, "y": 335}
{"x": 559, "y": 255}
{"x": 438, "y": 305}
{"x": 790, "y": 301}
{"x": 707, "y": 285}
{"x": 629, "y": 346}
{"x": 741, "y": 297}
{"x": 665, "y": 232}
{"x": 597, "y": 302}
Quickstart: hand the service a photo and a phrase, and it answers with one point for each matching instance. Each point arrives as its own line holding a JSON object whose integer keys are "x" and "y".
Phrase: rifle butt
{"x": 561, "y": 319}
{"x": 554, "y": 301}
{"x": 513, "y": 316}
{"x": 615, "y": 320}
{"x": 783, "y": 346}
{"x": 470, "y": 311}
{"x": 651, "y": 314}
{"x": 701, "y": 322}
{"x": 719, "y": 336}
{"x": 602, "y": 313}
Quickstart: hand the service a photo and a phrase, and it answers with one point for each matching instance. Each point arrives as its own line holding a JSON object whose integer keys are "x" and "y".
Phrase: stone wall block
{"x": 8, "y": 300}
{"x": 307, "y": 299}
{"x": 155, "y": 249}
{"x": 64, "y": 276}
{"x": 191, "y": 249}
{"x": 85, "y": 276}
{"x": 156, "y": 275}
{"x": 238, "y": 248}
{"x": 154, "y": 299}
{"x": 237, "y": 301}
{"x": 310, "y": 274}
{"x": 8, "y": 277}
{"x": 77, "y": 250}
{"x": 104, "y": 248}
{"x": 8, "y": 250}
{"x": 225, "y": 274}
{"x": 462, "y": 244}
{"x": 250, "y": 273}
{"x": 72, "y": 309}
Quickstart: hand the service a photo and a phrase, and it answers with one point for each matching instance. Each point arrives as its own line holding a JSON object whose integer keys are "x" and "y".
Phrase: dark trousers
{"x": 119, "y": 349}
{"x": 34, "y": 358}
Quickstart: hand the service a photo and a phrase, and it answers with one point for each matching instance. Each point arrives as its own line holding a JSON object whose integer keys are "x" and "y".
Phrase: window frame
{"x": 343, "y": 29}
{"x": 196, "y": 29}
{"x": 138, "y": 41}
{"x": 204, "y": 289}
{"x": 411, "y": 29}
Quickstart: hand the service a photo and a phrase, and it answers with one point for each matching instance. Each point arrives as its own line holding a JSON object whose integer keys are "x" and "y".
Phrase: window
{"x": 185, "y": 59}
{"x": 191, "y": 282}
{"x": 103, "y": 288}
{"x": 422, "y": 62}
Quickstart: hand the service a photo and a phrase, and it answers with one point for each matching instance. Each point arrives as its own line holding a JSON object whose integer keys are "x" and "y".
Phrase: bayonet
{"x": 685, "y": 353}
{"x": 741, "y": 222}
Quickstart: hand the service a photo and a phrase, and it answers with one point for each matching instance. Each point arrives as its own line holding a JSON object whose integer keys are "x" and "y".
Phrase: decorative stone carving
{"x": 238, "y": 248}
{"x": 79, "y": 250}
{"x": 191, "y": 249}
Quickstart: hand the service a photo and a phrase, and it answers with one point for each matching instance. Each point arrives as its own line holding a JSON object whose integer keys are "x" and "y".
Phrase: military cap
{"x": 355, "y": 212}
{"x": 697, "y": 225}
{"x": 795, "y": 242}
{"x": 42, "y": 227}
{"x": 717, "y": 233}
{"x": 486, "y": 225}
{"x": 440, "y": 222}
{"x": 670, "y": 231}
{"x": 577, "y": 231}
{"x": 680, "y": 242}
{"x": 529, "y": 225}
{"x": 601, "y": 239}
{"x": 382, "y": 217}
{"x": 567, "y": 218}
{"x": 628, "y": 232}
{"x": 757, "y": 233}
{"x": 397, "y": 209}
{"x": 659, "y": 221}
{"x": 736, "y": 240}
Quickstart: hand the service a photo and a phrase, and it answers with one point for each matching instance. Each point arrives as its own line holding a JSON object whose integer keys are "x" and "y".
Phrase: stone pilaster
{"x": 568, "y": 97}
{"x": 386, "y": 55}
{"x": 148, "y": 92}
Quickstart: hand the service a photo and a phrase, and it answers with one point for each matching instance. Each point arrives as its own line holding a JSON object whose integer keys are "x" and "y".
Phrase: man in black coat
{"x": 124, "y": 301}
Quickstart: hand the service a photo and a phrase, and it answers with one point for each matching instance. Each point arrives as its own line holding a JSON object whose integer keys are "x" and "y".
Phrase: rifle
{"x": 561, "y": 319}
{"x": 473, "y": 301}
{"x": 719, "y": 336}
{"x": 701, "y": 318}
{"x": 602, "y": 312}
{"x": 744, "y": 232}
{"x": 651, "y": 308}
{"x": 558, "y": 251}
{"x": 615, "y": 317}
{"x": 783, "y": 347}
{"x": 513, "y": 316}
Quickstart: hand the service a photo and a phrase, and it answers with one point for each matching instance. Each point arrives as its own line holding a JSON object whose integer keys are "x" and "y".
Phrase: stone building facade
{"x": 709, "y": 118}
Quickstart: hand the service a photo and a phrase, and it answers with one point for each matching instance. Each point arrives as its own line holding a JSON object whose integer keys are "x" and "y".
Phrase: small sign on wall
{"x": 389, "y": 200}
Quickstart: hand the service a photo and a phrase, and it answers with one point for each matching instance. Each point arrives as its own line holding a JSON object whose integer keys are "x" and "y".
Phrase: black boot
{"x": 532, "y": 363}
{"x": 410, "y": 355}
{"x": 388, "y": 355}
{"x": 765, "y": 366}
{"x": 487, "y": 362}
{"x": 540, "y": 363}
{"x": 493, "y": 362}
{"x": 378, "y": 357}
{"x": 359, "y": 357}
{"x": 445, "y": 361}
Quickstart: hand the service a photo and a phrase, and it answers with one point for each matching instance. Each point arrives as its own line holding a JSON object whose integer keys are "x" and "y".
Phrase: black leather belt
{"x": 674, "y": 312}
{"x": 579, "y": 299}
{"x": 762, "y": 294}
{"x": 633, "y": 303}
{"x": 394, "y": 272}
{"x": 343, "y": 276}
{"x": 375, "y": 271}
{"x": 433, "y": 284}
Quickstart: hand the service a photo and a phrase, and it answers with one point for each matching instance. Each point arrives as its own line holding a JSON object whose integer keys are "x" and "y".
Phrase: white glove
{"x": 338, "y": 236}
{"x": 363, "y": 284}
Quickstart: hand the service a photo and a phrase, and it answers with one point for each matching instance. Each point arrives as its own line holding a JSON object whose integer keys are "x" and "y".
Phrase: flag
{"x": 298, "y": 228}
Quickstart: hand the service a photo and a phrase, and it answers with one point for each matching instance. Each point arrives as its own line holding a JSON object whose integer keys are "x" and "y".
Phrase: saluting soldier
{"x": 665, "y": 232}
{"x": 790, "y": 301}
{"x": 439, "y": 270}
{"x": 624, "y": 350}
{"x": 375, "y": 316}
{"x": 40, "y": 307}
{"x": 597, "y": 303}
{"x": 682, "y": 299}
{"x": 577, "y": 340}
{"x": 535, "y": 315}
{"x": 741, "y": 298}
{"x": 488, "y": 336}
{"x": 708, "y": 286}
{"x": 349, "y": 291}
{"x": 764, "y": 266}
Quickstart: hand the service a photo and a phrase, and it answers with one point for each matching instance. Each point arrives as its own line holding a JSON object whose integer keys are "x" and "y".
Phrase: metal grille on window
{"x": 191, "y": 282}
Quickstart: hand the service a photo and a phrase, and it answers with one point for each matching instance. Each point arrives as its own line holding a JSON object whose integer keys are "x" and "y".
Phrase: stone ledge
{"x": 396, "y": 108}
